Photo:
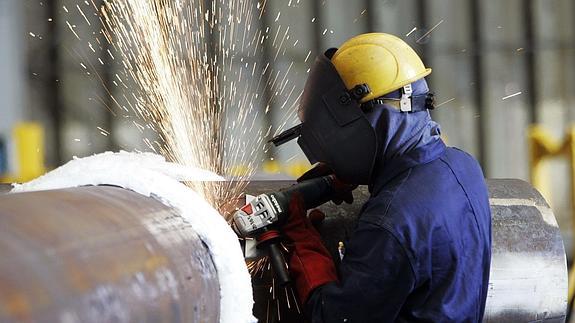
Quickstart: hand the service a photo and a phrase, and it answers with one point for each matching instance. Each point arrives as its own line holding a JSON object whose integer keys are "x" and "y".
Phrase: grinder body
{"x": 262, "y": 217}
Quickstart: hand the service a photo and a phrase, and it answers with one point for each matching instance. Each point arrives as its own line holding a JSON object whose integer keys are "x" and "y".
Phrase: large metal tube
{"x": 101, "y": 254}
{"x": 528, "y": 280}
{"x": 95, "y": 254}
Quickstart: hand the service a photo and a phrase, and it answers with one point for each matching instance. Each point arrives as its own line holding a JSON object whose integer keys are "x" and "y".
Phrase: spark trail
{"x": 194, "y": 71}
{"x": 191, "y": 69}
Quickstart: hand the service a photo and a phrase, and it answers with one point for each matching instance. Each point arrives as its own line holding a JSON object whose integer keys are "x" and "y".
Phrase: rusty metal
{"x": 101, "y": 254}
{"x": 96, "y": 254}
{"x": 528, "y": 271}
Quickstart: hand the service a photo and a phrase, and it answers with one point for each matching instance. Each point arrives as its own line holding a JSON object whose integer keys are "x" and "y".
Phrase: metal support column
{"x": 54, "y": 104}
{"x": 370, "y": 18}
{"x": 422, "y": 21}
{"x": 267, "y": 64}
{"x": 478, "y": 78}
{"x": 530, "y": 46}
{"x": 316, "y": 32}
{"x": 108, "y": 101}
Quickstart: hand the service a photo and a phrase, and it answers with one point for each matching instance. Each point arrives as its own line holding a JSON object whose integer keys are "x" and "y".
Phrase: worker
{"x": 422, "y": 247}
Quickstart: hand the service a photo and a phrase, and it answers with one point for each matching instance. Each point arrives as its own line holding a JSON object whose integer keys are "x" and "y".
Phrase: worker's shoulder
{"x": 468, "y": 173}
{"x": 453, "y": 160}
{"x": 455, "y": 170}
{"x": 427, "y": 182}
{"x": 457, "y": 158}
{"x": 424, "y": 190}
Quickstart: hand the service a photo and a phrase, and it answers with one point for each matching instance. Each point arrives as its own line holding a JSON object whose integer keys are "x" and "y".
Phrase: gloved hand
{"x": 343, "y": 190}
{"x": 310, "y": 263}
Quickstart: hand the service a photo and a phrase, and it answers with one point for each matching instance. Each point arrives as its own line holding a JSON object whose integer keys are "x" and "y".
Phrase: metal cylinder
{"x": 96, "y": 254}
{"x": 101, "y": 254}
{"x": 528, "y": 279}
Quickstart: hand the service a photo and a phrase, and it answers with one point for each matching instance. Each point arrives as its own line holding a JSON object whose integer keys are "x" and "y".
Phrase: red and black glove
{"x": 343, "y": 191}
{"x": 310, "y": 263}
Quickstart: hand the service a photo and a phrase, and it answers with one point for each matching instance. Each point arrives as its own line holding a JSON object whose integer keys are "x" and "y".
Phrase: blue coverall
{"x": 422, "y": 248}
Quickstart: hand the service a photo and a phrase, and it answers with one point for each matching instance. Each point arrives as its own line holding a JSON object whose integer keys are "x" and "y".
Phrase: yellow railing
{"x": 29, "y": 143}
{"x": 28, "y": 138}
{"x": 293, "y": 169}
{"x": 543, "y": 146}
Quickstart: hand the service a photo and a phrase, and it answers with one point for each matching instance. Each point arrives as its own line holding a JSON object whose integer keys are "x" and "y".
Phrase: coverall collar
{"x": 385, "y": 172}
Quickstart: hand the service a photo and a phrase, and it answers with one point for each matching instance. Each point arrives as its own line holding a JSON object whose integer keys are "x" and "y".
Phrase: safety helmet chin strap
{"x": 407, "y": 103}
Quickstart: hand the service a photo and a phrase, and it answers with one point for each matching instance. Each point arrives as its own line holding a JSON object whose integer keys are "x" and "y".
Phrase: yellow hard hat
{"x": 382, "y": 61}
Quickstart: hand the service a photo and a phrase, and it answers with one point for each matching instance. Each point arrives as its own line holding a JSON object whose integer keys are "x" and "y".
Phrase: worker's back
{"x": 438, "y": 211}
{"x": 421, "y": 249}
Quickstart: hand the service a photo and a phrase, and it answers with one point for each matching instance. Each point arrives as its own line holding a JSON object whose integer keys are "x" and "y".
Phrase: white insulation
{"x": 151, "y": 175}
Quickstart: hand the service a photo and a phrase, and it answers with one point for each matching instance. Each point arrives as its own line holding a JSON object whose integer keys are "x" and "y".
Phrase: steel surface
{"x": 101, "y": 254}
{"x": 96, "y": 254}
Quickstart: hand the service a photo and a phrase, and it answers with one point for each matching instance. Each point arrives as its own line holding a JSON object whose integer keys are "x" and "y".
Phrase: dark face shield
{"x": 334, "y": 130}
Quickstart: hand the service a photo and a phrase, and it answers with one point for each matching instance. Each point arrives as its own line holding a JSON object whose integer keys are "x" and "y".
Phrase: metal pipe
{"x": 96, "y": 254}
{"x": 529, "y": 30}
{"x": 528, "y": 280}
{"x": 475, "y": 15}
{"x": 107, "y": 87}
{"x": 422, "y": 14}
{"x": 101, "y": 254}
{"x": 316, "y": 36}
{"x": 55, "y": 103}
{"x": 267, "y": 63}
{"x": 371, "y": 16}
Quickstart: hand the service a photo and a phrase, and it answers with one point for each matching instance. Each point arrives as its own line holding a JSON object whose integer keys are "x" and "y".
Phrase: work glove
{"x": 343, "y": 190}
{"x": 310, "y": 264}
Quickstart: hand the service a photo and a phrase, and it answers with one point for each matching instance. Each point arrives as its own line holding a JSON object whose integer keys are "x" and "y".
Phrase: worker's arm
{"x": 376, "y": 278}
{"x": 310, "y": 264}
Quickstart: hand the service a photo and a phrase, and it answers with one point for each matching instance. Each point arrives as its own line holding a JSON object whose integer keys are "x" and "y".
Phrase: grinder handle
{"x": 269, "y": 241}
{"x": 278, "y": 263}
{"x": 314, "y": 192}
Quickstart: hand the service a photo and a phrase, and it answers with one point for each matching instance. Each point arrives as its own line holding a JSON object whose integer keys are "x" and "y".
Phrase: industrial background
{"x": 503, "y": 73}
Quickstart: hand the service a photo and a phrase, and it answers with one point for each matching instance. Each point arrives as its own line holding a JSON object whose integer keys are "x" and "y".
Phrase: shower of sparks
{"x": 103, "y": 131}
{"x": 445, "y": 102}
{"x": 192, "y": 72}
{"x": 282, "y": 298}
{"x": 429, "y": 31}
{"x": 362, "y": 13}
{"x": 258, "y": 267}
{"x": 511, "y": 95}
{"x": 411, "y": 31}
{"x": 72, "y": 29}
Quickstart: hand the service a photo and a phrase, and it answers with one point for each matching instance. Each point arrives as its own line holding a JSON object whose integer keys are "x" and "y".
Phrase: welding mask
{"x": 334, "y": 129}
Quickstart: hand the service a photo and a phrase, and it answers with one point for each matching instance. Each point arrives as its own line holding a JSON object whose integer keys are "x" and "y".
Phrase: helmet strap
{"x": 416, "y": 103}
{"x": 405, "y": 101}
